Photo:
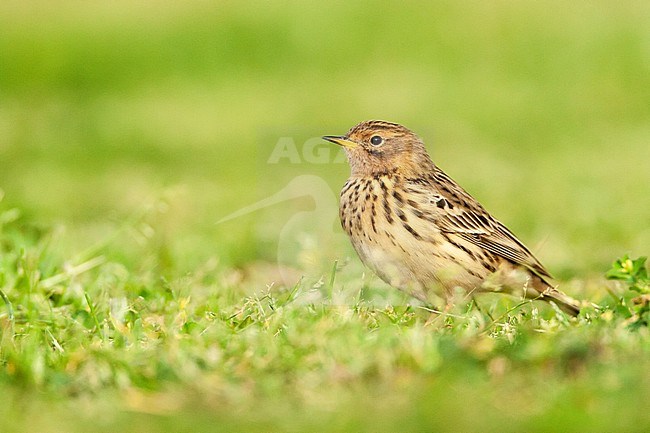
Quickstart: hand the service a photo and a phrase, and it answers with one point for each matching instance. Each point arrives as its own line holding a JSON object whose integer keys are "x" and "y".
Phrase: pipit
{"x": 422, "y": 233}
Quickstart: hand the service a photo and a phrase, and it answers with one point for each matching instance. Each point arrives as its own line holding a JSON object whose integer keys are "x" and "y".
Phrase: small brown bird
{"x": 422, "y": 233}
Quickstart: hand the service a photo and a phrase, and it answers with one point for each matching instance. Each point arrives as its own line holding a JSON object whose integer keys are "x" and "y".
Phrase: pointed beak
{"x": 341, "y": 140}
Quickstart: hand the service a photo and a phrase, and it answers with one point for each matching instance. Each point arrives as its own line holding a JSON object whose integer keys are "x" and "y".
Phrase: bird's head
{"x": 376, "y": 147}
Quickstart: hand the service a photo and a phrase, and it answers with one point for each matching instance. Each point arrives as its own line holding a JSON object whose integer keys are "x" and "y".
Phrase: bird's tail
{"x": 565, "y": 302}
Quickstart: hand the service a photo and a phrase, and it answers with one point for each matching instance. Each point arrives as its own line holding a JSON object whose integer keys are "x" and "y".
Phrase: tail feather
{"x": 549, "y": 293}
{"x": 565, "y": 302}
{"x": 537, "y": 287}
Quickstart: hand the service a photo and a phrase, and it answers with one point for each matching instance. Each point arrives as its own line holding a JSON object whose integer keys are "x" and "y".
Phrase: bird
{"x": 421, "y": 232}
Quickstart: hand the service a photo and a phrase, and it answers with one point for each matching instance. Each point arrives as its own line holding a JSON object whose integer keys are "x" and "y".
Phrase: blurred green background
{"x": 541, "y": 110}
{"x": 111, "y": 109}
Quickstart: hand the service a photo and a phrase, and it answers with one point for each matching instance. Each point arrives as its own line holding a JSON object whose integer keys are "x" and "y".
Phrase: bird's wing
{"x": 456, "y": 212}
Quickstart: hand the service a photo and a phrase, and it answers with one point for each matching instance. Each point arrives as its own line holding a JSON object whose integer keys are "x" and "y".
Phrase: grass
{"x": 128, "y": 131}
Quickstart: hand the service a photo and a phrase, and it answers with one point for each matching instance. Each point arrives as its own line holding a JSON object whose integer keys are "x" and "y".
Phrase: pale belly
{"x": 420, "y": 268}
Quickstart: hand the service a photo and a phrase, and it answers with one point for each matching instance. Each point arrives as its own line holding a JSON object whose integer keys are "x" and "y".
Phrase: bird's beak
{"x": 341, "y": 140}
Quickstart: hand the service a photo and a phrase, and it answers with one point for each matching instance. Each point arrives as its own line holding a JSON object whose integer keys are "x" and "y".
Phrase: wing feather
{"x": 463, "y": 216}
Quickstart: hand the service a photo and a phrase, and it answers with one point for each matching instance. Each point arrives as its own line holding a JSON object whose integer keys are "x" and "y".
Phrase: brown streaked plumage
{"x": 420, "y": 231}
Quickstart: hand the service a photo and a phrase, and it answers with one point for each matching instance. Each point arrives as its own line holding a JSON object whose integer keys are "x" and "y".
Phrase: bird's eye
{"x": 376, "y": 140}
